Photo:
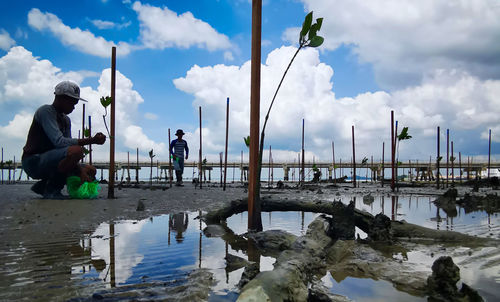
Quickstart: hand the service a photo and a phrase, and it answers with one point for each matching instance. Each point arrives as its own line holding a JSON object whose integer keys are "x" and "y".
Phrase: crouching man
{"x": 50, "y": 154}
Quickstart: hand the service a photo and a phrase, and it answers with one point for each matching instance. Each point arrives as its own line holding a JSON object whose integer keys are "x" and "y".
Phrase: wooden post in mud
{"x": 137, "y": 166}
{"x": 489, "y": 151}
{"x": 83, "y": 125}
{"x": 90, "y": 135}
{"x": 302, "y": 172}
{"x": 437, "y": 158}
{"x": 225, "y": 152}
{"x": 2, "y": 165}
{"x": 383, "y": 167}
{"x": 200, "y": 155}
{"x": 128, "y": 167}
{"x": 468, "y": 167}
{"x": 170, "y": 161}
{"x": 372, "y": 171}
{"x": 221, "y": 170}
{"x": 353, "y": 160}
{"x": 334, "y": 170}
{"x": 452, "y": 159}
{"x": 392, "y": 151}
{"x": 254, "y": 217}
{"x": 269, "y": 170}
{"x": 111, "y": 183}
{"x": 447, "y": 153}
{"x": 241, "y": 169}
{"x": 460, "y": 165}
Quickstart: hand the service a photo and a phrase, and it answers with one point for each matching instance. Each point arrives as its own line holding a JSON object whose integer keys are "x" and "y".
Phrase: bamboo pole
{"x": 460, "y": 165}
{"x": 334, "y": 170}
{"x": 128, "y": 167}
{"x": 200, "y": 153}
{"x": 383, "y": 166}
{"x": 170, "y": 176}
{"x": 452, "y": 166}
{"x": 353, "y": 160}
{"x": 302, "y": 173}
{"x": 447, "y": 153}
{"x": 437, "y": 158}
{"x": 83, "y": 124}
{"x": 90, "y": 135}
{"x": 225, "y": 152}
{"x": 254, "y": 217}
{"x": 392, "y": 150}
{"x": 111, "y": 183}
{"x": 489, "y": 152}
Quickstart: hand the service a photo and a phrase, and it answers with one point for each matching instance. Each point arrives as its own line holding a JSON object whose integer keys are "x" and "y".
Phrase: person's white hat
{"x": 68, "y": 88}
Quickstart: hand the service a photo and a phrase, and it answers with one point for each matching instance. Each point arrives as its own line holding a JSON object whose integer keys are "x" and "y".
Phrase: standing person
{"x": 50, "y": 154}
{"x": 177, "y": 147}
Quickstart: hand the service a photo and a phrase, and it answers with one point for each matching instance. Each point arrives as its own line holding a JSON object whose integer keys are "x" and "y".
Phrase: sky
{"x": 433, "y": 62}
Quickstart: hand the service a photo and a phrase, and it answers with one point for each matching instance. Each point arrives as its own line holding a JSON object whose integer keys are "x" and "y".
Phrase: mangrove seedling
{"x": 105, "y": 102}
{"x": 308, "y": 37}
{"x": 151, "y": 155}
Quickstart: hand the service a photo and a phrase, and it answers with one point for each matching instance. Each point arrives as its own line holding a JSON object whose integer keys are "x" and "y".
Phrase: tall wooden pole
{"x": 303, "y": 173}
{"x": 353, "y": 160}
{"x": 489, "y": 152}
{"x": 334, "y": 172}
{"x": 225, "y": 152}
{"x": 447, "y": 154}
{"x": 460, "y": 165}
{"x": 111, "y": 182}
{"x": 254, "y": 218}
{"x": 90, "y": 135}
{"x": 83, "y": 125}
{"x": 269, "y": 170}
{"x": 200, "y": 154}
{"x": 392, "y": 150}
{"x": 170, "y": 161}
{"x": 452, "y": 166}
{"x": 438, "y": 160}
{"x": 383, "y": 168}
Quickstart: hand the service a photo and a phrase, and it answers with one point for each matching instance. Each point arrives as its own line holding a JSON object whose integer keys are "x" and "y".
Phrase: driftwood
{"x": 363, "y": 220}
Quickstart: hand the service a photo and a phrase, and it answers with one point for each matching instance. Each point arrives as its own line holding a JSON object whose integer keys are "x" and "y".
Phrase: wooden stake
{"x": 83, "y": 124}
{"x": 303, "y": 174}
{"x": 437, "y": 159}
{"x": 111, "y": 183}
{"x": 200, "y": 153}
{"x": 334, "y": 170}
{"x": 392, "y": 151}
{"x": 383, "y": 167}
{"x": 90, "y": 135}
{"x": 254, "y": 217}
{"x": 225, "y": 152}
{"x": 353, "y": 160}
{"x": 489, "y": 152}
{"x": 170, "y": 176}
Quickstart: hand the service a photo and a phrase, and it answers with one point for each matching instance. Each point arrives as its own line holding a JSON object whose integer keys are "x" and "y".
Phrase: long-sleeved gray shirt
{"x": 49, "y": 130}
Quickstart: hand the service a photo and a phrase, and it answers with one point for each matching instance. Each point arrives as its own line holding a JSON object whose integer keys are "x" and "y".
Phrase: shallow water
{"x": 116, "y": 259}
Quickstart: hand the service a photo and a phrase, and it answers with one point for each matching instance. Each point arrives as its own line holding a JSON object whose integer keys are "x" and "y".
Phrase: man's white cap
{"x": 68, "y": 88}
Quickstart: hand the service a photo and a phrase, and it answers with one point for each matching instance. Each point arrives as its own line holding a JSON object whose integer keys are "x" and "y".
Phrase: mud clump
{"x": 442, "y": 284}
{"x": 380, "y": 229}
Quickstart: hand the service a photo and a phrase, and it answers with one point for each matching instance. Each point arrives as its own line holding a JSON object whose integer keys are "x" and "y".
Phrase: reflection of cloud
{"x": 126, "y": 245}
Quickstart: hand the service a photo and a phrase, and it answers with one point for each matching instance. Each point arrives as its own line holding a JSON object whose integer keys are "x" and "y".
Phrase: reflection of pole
{"x": 302, "y": 220}
{"x": 225, "y": 153}
{"x": 393, "y": 214}
{"x": 169, "y": 228}
{"x": 199, "y": 257}
{"x": 383, "y": 201}
{"x": 112, "y": 254}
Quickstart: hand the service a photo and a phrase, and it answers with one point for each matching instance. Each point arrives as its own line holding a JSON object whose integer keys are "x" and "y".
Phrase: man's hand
{"x": 186, "y": 157}
{"x": 99, "y": 138}
{"x": 174, "y": 157}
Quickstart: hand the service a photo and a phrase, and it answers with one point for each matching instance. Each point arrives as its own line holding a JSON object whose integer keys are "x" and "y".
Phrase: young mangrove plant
{"x": 308, "y": 37}
{"x": 151, "y": 155}
{"x": 105, "y": 102}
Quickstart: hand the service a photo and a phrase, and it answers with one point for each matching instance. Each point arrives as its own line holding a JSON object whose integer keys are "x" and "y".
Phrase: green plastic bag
{"x": 87, "y": 190}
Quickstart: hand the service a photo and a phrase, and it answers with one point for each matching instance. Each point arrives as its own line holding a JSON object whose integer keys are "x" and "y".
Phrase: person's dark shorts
{"x": 42, "y": 166}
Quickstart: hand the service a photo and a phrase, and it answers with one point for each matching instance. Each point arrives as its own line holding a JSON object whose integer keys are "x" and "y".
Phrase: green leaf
{"x": 319, "y": 21}
{"x": 105, "y": 101}
{"x": 316, "y": 41}
{"x": 151, "y": 155}
{"x": 439, "y": 158}
{"x": 85, "y": 151}
{"x": 306, "y": 25}
{"x": 86, "y": 132}
{"x": 365, "y": 160}
{"x": 404, "y": 134}
{"x": 247, "y": 141}
{"x": 313, "y": 31}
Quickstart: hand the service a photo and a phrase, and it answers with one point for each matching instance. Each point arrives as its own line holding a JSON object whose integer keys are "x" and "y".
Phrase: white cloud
{"x": 151, "y": 116}
{"x": 26, "y": 82}
{"x": 405, "y": 39}
{"x": 101, "y": 24}
{"x": 447, "y": 98}
{"x": 6, "y": 42}
{"x": 162, "y": 28}
{"x": 228, "y": 56}
{"x": 81, "y": 40}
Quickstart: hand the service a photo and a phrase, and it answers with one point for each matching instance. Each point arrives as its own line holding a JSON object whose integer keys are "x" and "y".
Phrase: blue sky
{"x": 435, "y": 63}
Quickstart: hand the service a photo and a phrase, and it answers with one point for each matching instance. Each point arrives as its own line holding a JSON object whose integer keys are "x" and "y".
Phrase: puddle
{"x": 161, "y": 252}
